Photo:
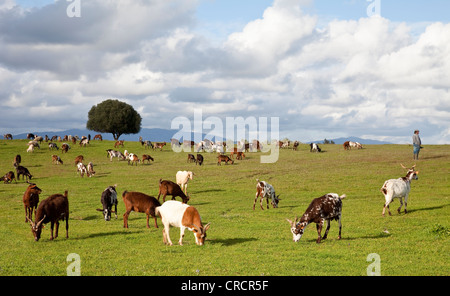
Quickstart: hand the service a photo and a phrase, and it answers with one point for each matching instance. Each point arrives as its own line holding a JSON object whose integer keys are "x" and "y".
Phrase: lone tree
{"x": 114, "y": 116}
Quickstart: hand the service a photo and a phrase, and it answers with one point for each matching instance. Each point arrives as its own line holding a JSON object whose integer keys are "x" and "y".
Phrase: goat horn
{"x": 39, "y": 223}
{"x": 198, "y": 228}
{"x": 29, "y": 220}
{"x": 403, "y": 166}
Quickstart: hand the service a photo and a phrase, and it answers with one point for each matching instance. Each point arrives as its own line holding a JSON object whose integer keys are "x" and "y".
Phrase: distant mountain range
{"x": 164, "y": 135}
{"x": 354, "y": 139}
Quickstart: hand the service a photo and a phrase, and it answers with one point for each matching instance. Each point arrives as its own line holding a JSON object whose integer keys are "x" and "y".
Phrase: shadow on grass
{"x": 232, "y": 241}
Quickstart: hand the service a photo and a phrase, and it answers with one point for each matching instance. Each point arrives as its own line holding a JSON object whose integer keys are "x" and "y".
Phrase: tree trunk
{"x": 116, "y": 136}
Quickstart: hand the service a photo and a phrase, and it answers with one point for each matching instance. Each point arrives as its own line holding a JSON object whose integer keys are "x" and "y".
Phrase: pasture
{"x": 240, "y": 241}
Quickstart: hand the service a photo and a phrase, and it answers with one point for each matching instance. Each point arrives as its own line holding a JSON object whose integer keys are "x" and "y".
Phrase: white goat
{"x": 398, "y": 188}
{"x": 177, "y": 214}
{"x": 183, "y": 178}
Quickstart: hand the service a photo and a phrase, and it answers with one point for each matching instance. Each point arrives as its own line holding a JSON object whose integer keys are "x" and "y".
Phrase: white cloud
{"x": 359, "y": 77}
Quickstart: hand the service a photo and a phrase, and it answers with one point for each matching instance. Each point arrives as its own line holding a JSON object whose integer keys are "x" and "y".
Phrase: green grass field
{"x": 241, "y": 241}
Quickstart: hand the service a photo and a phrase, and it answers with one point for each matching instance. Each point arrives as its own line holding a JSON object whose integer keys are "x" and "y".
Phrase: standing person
{"x": 416, "y": 144}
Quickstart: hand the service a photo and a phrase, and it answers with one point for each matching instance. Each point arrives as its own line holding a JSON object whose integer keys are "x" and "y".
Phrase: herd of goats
{"x": 178, "y": 214}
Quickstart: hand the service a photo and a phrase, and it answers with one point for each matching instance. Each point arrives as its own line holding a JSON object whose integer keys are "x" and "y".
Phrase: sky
{"x": 374, "y": 69}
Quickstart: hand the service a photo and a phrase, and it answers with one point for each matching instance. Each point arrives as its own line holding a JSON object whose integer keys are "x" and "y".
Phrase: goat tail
{"x": 157, "y": 211}
{"x": 160, "y": 181}
{"x": 66, "y": 193}
{"x": 124, "y": 193}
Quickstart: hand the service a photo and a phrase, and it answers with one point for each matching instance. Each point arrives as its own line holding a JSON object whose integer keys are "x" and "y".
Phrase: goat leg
{"x": 319, "y": 230}
{"x": 326, "y": 231}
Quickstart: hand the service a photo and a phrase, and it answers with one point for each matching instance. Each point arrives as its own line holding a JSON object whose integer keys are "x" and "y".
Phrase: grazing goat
{"x": 20, "y": 170}
{"x": 114, "y": 153}
{"x": 79, "y": 159}
{"x": 346, "y": 145}
{"x": 109, "y": 199}
{"x": 65, "y": 148}
{"x": 52, "y": 209}
{"x": 30, "y": 201}
{"x": 314, "y": 148}
{"x": 199, "y": 159}
{"x": 327, "y": 207}
{"x": 183, "y": 178}
{"x": 118, "y": 143}
{"x": 56, "y": 159}
{"x": 133, "y": 158}
{"x": 191, "y": 158}
{"x": 81, "y": 168}
{"x": 177, "y": 214}
{"x": 139, "y": 202}
{"x": 8, "y": 177}
{"x": 265, "y": 190}
{"x": 147, "y": 158}
{"x": 400, "y": 188}
{"x": 167, "y": 187}
{"x": 224, "y": 158}
{"x": 52, "y": 146}
{"x": 30, "y": 148}
{"x": 90, "y": 169}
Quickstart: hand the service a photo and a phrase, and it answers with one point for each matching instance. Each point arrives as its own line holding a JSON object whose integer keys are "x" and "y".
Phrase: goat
{"x": 114, "y": 153}
{"x": 108, "y": 199}
{"x": 177, "y": 214}
{"x": 118, "y": 143}
{"x": 90, "y": 169}
{"x": 147, "y": 158}
{"x": 56, "y": 159}
{"x": 199, "y": 159}
{"x": 346, "y": 145}
{"x": 224, "y": 158}
{"x": 159, "y": 146}
{"x": 52, "y": 209}
{"x": 84, "y": 142}
{"x": 79, "y": 159}
{"x": 17, "y": 160}
{"x": 327, "y": 207}
{"x": 81, "y": 168}
{"x": 9, "y": 177}
{"x": 314, "y": 148}
{"x": 65, "y": 147}
{"x": 183, "y": 178}
{"x": 139, "y": 202}
{"x": 7, "y": 136}
{"x": 98, "y": 137}
{"x": 133, "y": 158}
{"x": 191, "y": 158}
{"x": 30, "y": 148}
{"x": 52, "y": 146}
{"x": 398, "y": 188}
{"x": 30, "y": 200}
{"x": 20, "y": 170}
{"x": 167, "y": 187}
{"x": 265, "y": 190}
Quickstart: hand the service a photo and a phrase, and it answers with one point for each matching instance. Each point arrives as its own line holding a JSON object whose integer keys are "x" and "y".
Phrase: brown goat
{"x": 31, "y": 200}
{"x": 78, "y": 159}
{"x": 171, "y": 188}
{"x": 8, "y": 177}
{"x": 52, "y": 209}
{"x": 224, "y": 158}
{"x": 141, "y": 203}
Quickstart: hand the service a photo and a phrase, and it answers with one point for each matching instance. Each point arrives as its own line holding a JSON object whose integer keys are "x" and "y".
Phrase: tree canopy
{"x": 114, "y": 116}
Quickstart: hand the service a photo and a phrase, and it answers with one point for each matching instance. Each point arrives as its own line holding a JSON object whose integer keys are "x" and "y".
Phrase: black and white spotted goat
{"x": 109, "y": 198}
{"x": 321, "y": 209}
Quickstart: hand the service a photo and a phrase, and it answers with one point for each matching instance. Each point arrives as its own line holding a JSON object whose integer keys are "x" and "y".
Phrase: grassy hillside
{"x": 241, "y": 241}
